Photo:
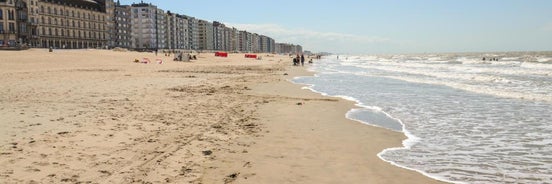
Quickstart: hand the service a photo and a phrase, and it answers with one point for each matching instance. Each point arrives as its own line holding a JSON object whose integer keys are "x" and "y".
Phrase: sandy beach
{"x": 94, "y": 116}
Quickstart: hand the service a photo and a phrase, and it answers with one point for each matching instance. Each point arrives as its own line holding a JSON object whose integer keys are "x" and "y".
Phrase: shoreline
{"x": 405, "y": 144}
{"x": 270, "y": 169}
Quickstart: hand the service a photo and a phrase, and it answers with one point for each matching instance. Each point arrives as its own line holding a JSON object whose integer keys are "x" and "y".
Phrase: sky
{"x": 384, "y": 26}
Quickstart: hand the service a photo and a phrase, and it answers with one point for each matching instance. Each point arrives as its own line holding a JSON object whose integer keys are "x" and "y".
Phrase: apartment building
{"x": 161, "y": 29}
{"x": 177, "y": 31}
{"x": 64, "y": 23}
{"x": 110, "y": 13}
{"x": 219, "y": 35}
{"x": 266, "y": 44}
{"x": 8, "y": 28}
{"x": 227, "y": 38}
{"x": 207, "y": 38}
{"x": 234, "y": 39}
{"x": 143, "y": 26}
{"x": 193, "y": 33}
{"x": 122, "y": 25}
{"x": 286, "y": 48}
{"x": 255, "y": 43}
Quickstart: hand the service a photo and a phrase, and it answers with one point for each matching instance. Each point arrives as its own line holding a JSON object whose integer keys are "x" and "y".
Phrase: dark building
{"x": 122, "y": 36}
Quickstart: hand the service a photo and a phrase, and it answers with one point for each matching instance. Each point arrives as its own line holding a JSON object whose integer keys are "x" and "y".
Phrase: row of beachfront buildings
{"x": 75, "y": 24}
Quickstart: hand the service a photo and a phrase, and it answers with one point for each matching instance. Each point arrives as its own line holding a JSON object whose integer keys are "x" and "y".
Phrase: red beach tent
{"x": 221, "y": 54}
{"x": 250, "y": 56}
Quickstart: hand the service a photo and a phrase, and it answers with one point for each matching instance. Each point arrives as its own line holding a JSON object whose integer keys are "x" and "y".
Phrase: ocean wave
{"x": 457, "y": 136}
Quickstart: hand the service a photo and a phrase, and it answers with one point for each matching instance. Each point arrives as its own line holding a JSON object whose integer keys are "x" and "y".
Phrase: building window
{"x": 55, "y": 11}
{"x": 49, "y": 10}
{"x": 11, "y": 15}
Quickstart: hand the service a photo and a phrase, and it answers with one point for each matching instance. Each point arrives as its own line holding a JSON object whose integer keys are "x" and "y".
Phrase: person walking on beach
{"x": 302, "y": 60}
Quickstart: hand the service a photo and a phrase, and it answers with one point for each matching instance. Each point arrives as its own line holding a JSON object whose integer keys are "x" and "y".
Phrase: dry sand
{"x": 93, "y": 116}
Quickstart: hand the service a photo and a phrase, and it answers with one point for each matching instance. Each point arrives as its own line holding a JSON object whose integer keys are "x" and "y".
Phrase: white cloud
{"x": 315, "y": 40}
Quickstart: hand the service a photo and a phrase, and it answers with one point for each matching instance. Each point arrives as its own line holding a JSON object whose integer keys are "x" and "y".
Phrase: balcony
{"x": 7, "y": 32}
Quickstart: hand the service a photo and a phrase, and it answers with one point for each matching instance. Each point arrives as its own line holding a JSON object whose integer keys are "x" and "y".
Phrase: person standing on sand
{"x": 302, "y": 60}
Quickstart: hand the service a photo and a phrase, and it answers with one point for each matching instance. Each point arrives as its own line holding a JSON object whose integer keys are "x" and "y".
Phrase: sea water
{"x": 467, "y": 120}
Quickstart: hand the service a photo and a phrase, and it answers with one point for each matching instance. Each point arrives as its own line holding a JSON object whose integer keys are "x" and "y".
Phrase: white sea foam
{"x": 407, "y": 143}
{"x": 454, "y": 135}
{"x": 463, "y": 77}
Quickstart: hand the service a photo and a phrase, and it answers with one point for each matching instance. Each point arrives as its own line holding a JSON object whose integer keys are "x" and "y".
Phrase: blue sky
{"x": 385, "y": 26}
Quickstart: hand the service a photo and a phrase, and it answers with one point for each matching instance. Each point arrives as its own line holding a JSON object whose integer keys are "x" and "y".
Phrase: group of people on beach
{"x": 300, "y": 60}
